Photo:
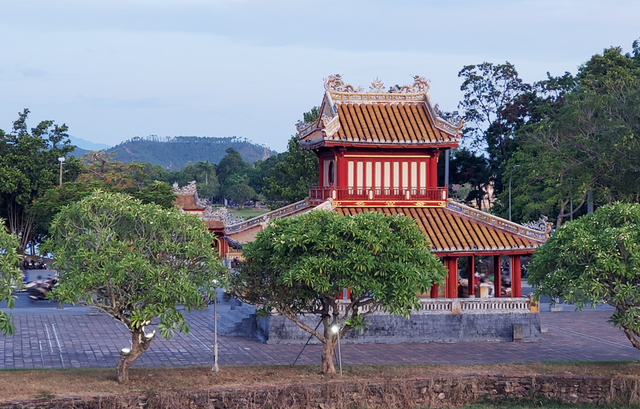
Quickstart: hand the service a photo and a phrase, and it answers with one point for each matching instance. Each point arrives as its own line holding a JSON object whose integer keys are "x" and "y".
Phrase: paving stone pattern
{"x": 74, "y": 338}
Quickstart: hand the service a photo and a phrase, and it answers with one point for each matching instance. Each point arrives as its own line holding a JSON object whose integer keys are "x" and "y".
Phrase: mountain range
{"x": 174, "y": 152}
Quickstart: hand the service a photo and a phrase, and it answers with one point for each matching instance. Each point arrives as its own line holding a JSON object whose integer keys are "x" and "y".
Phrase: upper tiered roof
{"x": 401, "y": 116}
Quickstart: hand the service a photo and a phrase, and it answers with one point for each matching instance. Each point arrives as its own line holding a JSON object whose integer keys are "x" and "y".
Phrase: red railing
{"x": 364, "y": 193}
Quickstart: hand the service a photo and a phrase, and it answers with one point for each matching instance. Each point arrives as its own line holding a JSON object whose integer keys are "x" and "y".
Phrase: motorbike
{"x": 31, "y": 264}
{"x": 38, "y": 290}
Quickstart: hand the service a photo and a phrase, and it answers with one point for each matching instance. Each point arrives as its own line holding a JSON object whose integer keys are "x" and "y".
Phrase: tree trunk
{"x": 139, "y": 344}
{"x": 327, "y": 354}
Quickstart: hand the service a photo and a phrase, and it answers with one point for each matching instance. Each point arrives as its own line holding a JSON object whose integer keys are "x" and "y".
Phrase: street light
{"x": 61, "y": 160}
{"x": 336, "y": 330}
{"x": 510, "y": 175}
{"x": 215, "y": 368}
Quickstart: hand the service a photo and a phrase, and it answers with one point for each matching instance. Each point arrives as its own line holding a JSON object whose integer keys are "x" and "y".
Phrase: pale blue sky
{"x": 116, "y": 69}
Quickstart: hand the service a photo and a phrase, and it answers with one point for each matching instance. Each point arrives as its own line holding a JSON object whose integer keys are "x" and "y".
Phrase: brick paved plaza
{"x": 50, "y": 338}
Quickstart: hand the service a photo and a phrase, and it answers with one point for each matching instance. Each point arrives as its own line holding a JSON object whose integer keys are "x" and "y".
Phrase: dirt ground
{"x": 30, "y": 384}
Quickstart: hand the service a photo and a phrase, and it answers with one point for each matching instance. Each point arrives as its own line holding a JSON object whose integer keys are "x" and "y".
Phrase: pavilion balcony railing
{"x": 375, "y": 193}
{"x": 459, "y": 306}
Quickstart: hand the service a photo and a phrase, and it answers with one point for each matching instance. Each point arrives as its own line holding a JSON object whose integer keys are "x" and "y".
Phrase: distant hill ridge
{"x": 173, "y": 152}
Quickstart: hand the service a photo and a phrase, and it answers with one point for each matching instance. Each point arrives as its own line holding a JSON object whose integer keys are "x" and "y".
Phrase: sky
{"x": 112, "y": 70}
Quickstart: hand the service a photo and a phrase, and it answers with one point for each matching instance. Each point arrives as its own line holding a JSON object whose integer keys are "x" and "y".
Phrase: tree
{"x": 467, "y": 168}
{"x": 298, "y": 266}
{"x": 595, "y": 259}
{"x": 237, "y": 188}
{"x": 496, "y": 102}
{"x": 28, "y": 167}
{"x": 203, "y": 173}
{"x": 137, "y": 262}
{"x": 230, "y": 164}
{"x": 295, "y": 171}
{"x": 9, "y": 275}
{"x": 100, "y": 171}
{"x": 587, "y": 140}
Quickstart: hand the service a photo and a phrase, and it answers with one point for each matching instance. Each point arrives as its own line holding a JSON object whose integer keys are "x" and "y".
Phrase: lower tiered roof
{"x": 456, "y": 229}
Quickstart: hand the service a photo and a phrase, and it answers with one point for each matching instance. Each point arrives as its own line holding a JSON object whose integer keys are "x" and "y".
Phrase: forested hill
{"x": 175, "y": 152}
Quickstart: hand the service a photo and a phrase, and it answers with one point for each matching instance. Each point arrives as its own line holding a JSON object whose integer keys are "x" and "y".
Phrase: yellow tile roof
{"x": 402, "y": 115}
{"x": 396, "y": 122}
{"x": 450, "y": 230}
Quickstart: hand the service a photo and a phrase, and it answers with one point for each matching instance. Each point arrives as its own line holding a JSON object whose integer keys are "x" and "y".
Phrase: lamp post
{"x": 215, "y": 368}
{"x": 510, "y": 175}
{"x": 61, "y": 160}
{"x": 336, "y": 330}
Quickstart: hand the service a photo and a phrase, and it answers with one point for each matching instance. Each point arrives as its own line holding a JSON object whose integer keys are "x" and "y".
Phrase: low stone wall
{"x": 434, "y": 392}
{"x": 277, "y": 329}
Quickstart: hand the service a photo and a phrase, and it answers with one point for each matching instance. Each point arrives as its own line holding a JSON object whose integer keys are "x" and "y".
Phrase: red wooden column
{"x": 452, "y": 279}
{"x": 471, "y": 275}
{"x": 342, "y": 171}
{"x": 516, "y": 288}
{"x": 432, "y": 171}
{"x": 434, "y": 291}
{"x": 497, "y": 283}
{"x": 321, "y": 171}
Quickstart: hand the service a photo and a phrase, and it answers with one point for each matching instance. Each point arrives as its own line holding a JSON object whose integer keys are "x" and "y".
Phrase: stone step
{"x": 235, "y": 318}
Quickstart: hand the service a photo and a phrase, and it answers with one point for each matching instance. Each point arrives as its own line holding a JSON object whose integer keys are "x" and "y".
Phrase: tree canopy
{"x": 595, "y": 259}
{"x": 9, "y": 275}
{"x": 290, "y": 178}
{"x": 101, "y": 171}
{"x": 589, "y": 141}
{"x": 137, "y": 262}
{"x": 299, "y": 265}
{"x": 28, "y": 167}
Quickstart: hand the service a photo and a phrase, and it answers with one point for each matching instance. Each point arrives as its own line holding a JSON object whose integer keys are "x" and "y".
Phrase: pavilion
{"x": 378, "y": 151}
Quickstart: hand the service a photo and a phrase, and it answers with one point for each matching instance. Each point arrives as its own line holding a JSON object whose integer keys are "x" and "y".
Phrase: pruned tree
{"x": 10, "y": 275}
{"x": 593, "y": 260}
{"x": 137, "y": 262}
{"x": 299, "y": 265}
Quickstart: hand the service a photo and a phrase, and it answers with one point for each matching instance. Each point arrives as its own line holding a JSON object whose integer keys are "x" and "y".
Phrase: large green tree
{"x": 101, "y": 171}
{"x": 237, "y": 188}
{"x": 137, "y": 262}
{"x": 595, "y": 259}
{"x": 298, "y": 266}
{"x": 204, "y": 173}
{"x": 28, "y": 167}
{"x": 291, "y": 176}
{"x": 10, "y": 275}
{"x": 496, "y": 103}
{"x": 232, "y": 163}
{"x": 587, "y": 141}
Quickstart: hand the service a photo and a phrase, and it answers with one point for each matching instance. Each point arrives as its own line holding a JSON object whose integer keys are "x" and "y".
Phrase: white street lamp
{"x": 61, "y": 160}
{"x": 336, "y": 330}
{"x": 215, "y": 368}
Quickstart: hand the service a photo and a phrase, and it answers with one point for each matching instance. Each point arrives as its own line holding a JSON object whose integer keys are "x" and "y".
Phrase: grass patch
{"x": 45, "y": 395}
{"x": 248, "y": 212}
{"x": 546, "y": 404}
{"x": 21, "y": 384}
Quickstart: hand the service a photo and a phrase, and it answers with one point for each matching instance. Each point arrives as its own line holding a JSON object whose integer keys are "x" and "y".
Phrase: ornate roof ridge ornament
{"x": 376, "y": 87}
{"x": 542, "y": 224}
{"x": 489, "y": 219}
{"x": 335, "y": 83}
{"x": 452, "y": 117}
{"x": 420, "y": 84}
{"x": 189, "y": 189}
